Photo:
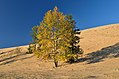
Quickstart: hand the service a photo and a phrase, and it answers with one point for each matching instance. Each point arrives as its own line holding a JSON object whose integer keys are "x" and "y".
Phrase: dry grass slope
{"x": 101, "y": 59}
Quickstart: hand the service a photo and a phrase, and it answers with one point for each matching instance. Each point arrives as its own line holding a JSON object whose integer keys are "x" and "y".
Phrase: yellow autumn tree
{"x": 55, "y": 37}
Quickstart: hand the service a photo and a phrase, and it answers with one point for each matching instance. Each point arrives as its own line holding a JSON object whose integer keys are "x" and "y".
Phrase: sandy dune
{"x": 101, "y": 60}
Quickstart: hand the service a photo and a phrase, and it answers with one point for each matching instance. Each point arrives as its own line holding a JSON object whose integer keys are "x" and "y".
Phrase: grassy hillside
{"x": 100, "y": 61}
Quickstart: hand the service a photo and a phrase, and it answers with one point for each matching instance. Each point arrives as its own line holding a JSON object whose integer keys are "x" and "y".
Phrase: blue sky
{"x": 17, "y": 17}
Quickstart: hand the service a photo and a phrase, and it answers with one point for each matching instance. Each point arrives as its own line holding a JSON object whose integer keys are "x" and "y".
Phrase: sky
{"x": 17, "y": 17}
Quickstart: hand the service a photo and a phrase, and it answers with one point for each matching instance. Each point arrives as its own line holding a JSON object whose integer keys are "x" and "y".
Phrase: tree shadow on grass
{"x": 98, "y": 56}
{"x": 11, "y": 59}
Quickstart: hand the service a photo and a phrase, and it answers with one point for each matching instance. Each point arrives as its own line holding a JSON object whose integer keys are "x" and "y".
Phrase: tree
{"x": 74, "y": 48}
{"x": 32, "y": 46}
{"x": 56, "y": 37}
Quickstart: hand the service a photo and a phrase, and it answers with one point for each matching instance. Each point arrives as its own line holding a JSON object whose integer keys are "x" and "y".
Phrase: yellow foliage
{"x": 54, "y": 35}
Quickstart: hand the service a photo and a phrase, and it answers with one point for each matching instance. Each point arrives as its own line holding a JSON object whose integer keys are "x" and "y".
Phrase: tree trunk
{"x": 56, "y": 64}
